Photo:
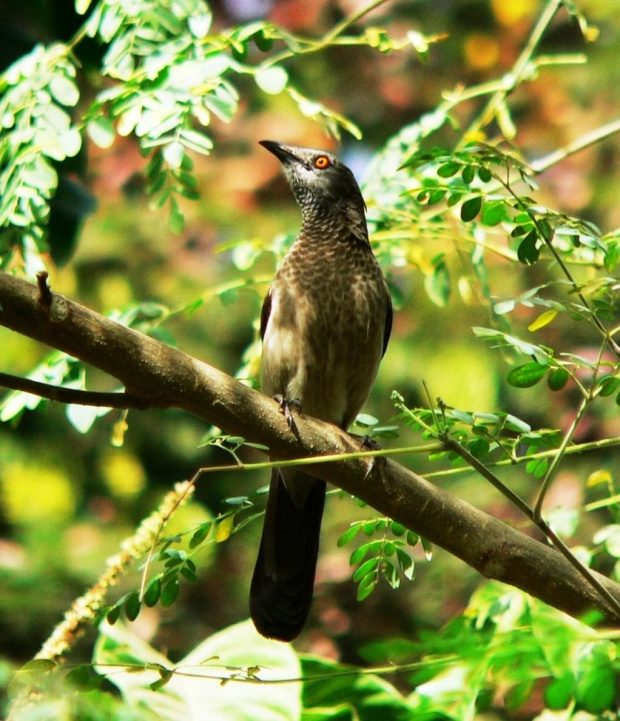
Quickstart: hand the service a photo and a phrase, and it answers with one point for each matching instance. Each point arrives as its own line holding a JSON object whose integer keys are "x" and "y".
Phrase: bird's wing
{"x": 387, "y": 330}
{"x": 265, "y": 313}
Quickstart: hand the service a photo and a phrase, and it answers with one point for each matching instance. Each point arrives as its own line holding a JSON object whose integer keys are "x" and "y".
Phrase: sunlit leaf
{"x": 272, "y": 79}
{"x": 542, "y": 320}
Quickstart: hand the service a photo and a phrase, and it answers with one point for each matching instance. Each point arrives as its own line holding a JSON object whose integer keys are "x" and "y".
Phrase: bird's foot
{"x": 286, "y": 408}
{"x": 369, "y": 444}
{"x": 366, "y": 442}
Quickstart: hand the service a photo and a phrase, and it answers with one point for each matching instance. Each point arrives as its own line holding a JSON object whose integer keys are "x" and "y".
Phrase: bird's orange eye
{"x": 321, "y": 162}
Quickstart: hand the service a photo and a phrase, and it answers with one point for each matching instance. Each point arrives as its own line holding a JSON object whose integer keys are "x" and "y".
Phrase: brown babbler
{"x": 325, "y": 324}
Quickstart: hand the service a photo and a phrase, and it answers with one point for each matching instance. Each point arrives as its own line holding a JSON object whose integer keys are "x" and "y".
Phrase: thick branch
{"x": 164, "y": 376}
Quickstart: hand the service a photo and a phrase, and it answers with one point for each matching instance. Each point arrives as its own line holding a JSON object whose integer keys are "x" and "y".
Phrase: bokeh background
{"x": 68, "y": 499}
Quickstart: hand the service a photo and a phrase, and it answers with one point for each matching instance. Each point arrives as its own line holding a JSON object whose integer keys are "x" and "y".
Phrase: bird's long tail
{"x": 283, "y": 580}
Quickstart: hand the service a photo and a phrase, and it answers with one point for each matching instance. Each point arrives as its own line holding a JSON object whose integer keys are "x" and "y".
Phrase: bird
{"x": 325, "y": 325}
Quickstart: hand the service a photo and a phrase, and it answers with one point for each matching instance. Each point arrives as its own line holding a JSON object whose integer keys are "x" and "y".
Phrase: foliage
{"x": 452, "y": 197}
{"x": 505, "y": 641}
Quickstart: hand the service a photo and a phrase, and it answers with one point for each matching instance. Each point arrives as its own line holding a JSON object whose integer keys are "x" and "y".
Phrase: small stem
{"x": 585, "y": 141}
{"x": 316, "y": 460}
{"x": 580, "y": 448}
{"x": 350, "y": 20}
{"x": 515, "y": 76}
{"x": 452, "y": 445}
{"x": 329, "y": 38}
{"x": 559, "y": 454}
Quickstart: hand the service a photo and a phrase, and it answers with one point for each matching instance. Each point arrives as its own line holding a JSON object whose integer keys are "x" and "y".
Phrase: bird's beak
{"x": 284, "y": 153}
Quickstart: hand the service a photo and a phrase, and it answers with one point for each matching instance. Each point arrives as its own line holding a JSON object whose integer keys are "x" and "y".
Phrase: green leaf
{"x": 359, "y": 554}
{"x": 153, "y": 592}
{"x": 485, "y": 174}
{"x": 519, "y": 694}
{"x": 478, "y": 447}
{"x": 170, "y": 593}
{"x": 527, "y": 375}
{"x": 364, "y": 419}
{"x": 200, "y": 22}
{"x": 368, "y": 567}
{"x": 558, "y": 378}
{"x": 132, "y": 606}
{"x": 263, "y": 41}
{"x": 165, "y": 675}
{"x": 84, "y": 677}
{"x": 471, "y": 208}
{"x": 412, "y": 538}
{"x": 436, "y": 196}
{"x": 177, "y": 220}
{"x": 406, "y": 563}
{"x": 349, "y": 535}
{"x": 596, "y": 684}
{"x": 559, "y": 693}
{"x": 224, "y": 528}
{"x": 113, "y": 614}
{"x": 397, "y": 528}
{"x": 366, "y": 587}
{"x": 537, "y": 467}
{"x": 389, "y": 549}
{"x": 608, "y": 385}
{"x": 81, "y": 6}
{"x": 101, "y": 131}
{"x": 390, "y": 573}
{"x": 189, "y": 574}
{"x": 449, "y": 169}
{"x": 198, "y": 142}
{"x": 493, "y": 213}
{"x": 437, "y": 285}
{"x": 513, "y": 423}
{"x": 428, "y": 548}
{"x": 337, "y": 694}
{"x": 468, "y": 174}
{"x": 173, "y": 154}
{"x": 528, "y": 252}
{"x": 64, "y": 90}
{"x": 520, "y": 230}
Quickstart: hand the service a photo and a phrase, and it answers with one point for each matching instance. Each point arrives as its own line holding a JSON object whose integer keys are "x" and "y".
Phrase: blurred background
{"x": 68, "y": 499}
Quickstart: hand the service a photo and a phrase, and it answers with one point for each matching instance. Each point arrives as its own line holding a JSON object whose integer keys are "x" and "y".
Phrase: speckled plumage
{"x": 325, "y": 326}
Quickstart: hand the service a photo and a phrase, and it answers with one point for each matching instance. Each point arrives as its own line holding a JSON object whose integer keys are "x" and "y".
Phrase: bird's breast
{"x": 323, "y": 340}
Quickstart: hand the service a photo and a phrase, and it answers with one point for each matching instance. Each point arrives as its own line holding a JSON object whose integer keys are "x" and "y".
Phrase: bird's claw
{"x": 366, "y": 442}
{"x": 286, "y": 408}
{"x": 369, "y": 444}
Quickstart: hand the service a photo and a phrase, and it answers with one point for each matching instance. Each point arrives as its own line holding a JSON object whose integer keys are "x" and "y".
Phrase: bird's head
{"x": 323, "y": 186}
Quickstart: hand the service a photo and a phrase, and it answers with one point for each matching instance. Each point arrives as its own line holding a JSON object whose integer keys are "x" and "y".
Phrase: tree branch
{"x": 164, "y": 376}
{"x": 72, "y": 395}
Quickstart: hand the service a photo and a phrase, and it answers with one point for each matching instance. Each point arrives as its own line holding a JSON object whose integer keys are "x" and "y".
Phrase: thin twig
{"x": 585, "y": 141}
{"x": 517, "y": 72}
{"x": 351, "y": 19}
{"x": 329, "y": 38}
{"x": 76, "y": 396}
